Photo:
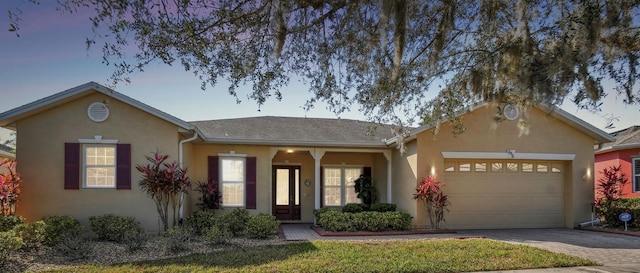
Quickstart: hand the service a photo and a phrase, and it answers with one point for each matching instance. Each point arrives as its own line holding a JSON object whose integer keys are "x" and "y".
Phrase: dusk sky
{"x": 50, "y": 56}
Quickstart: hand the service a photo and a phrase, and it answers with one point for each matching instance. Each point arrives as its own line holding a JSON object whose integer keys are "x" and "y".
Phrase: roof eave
{"x": 9, "y": 117}
{"x": 272, "y": 142}
{"x": 618, "y": 147}
{"x": 598, "y": 135}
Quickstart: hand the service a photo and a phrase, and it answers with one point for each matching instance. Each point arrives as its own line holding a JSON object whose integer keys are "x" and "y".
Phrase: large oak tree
{"x": 384, "y": 56}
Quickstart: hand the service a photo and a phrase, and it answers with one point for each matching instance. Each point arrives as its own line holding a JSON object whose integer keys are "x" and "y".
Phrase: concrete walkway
{"x": 616, "y": 253}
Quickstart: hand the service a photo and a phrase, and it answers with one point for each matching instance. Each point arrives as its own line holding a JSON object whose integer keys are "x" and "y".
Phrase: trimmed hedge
{"x": 201, "y": 220}
{"x": 320, "y": 211}
{"x": 365, "y": 221}
{"x": 354, "y": 208}
{"x": 237, "y": 220}
{"x": 630, "y": 205}
{"x": 358, "y": 207}
{"x": 262, "y": 226}
{"x": 57, "y": 227}
{"x": 383, "y": 207}
{"x": 114, "y": 228}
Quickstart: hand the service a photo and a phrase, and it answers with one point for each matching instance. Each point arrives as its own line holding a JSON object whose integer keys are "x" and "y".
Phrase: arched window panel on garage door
{"x": 464, "y": 166}
{"x": 511, "y": 167}
{"x": 497, "y": 167}
{"x": 542, "y": 167}
{"x": 480, "y": 167}
{"x": 449, "y": 166}
{"x": 503, "y": 166}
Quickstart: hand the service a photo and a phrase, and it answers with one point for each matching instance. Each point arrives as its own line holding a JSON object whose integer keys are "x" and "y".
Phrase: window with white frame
{"x": 339, "y": 185}
{"x": 99, "y": 168}
{"x": 636, "y": 174}
{"x": 232, "y": 181}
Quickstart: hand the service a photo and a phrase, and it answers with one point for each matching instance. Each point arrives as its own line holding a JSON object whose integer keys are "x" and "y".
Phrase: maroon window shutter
{"x": 321, "y": 187}
{"x": 71, "y": 166}
{"x": 213, "y": 169}
{"x": 251, "y": 191}
{"x": 123, "y": 166}
{"x": 366, "y": 171}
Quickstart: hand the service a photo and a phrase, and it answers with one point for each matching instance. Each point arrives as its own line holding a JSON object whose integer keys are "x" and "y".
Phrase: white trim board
{"x": 504, "y": 155}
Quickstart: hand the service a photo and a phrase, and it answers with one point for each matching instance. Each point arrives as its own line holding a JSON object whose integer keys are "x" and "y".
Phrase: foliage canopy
{"x": 384, "y": 55}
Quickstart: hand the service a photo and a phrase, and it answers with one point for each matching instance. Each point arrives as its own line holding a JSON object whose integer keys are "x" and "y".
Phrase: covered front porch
{"x": 307, "y": 178}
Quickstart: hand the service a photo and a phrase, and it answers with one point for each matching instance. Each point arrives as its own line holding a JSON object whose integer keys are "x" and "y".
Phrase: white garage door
{"x": 504, "y": 194}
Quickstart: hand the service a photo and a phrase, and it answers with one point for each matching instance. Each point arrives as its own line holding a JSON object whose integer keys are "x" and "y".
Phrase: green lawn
{"x": 454, "y": 255}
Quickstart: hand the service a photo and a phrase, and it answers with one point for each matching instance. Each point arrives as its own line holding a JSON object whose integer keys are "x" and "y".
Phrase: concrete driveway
{"x": 616, "y": 253}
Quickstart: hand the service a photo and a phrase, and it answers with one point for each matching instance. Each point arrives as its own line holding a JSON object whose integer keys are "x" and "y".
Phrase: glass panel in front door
{"x": 296, "y": 182}
{"x": 282, "y": 187}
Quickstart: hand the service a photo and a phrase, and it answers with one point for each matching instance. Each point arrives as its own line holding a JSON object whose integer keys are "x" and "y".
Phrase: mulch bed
{"x": 635, "y": 233}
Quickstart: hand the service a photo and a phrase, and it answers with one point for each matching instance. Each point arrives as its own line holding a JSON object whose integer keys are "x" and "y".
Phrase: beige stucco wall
{"x": 545, "y": 134}
{"x": 379, "y": 176}
{"x": 41, "y": 159}
{"x": 199, "y": 171}
{"x": 197, "y": 153}
{"x": 404, "y": 180}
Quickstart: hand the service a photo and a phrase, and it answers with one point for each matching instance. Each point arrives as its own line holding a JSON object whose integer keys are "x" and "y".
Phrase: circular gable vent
{"x": 98, "y": 112}
{"x": 511, "y": 111}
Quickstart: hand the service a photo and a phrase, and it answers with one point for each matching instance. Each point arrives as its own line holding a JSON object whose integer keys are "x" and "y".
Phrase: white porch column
{"x": 387, "y": 155}
{"x": 317, "y": 156}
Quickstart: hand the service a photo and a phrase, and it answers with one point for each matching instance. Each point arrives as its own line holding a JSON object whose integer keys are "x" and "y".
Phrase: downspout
{"x": 181, "y": 161}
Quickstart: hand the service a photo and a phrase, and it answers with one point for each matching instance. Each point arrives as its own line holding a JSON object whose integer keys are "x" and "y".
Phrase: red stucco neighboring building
{"x": 624, "y": 151}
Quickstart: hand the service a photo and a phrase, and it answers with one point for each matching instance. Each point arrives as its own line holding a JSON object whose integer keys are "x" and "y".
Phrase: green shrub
{"x": 383, "y": 207}
{"x": 135, "y": 239}
{"x": 9, "y": 242}
{"x": 320, "y": 211}
{"x": 336, "y": 221}
{"x": 236, "y": 220}
{"x": 610, "y": 210}
{"x": 398, "y": 220}
{"x": 177, "y": 238}
{"x": 57, "y": 226}
{"x": 201, "y": 221}
{"x": 219, "y": 233}
{"x": 75, "y": 246}
{"x": 370, "y": 221}
{"x": 32, "y": 234}
{"x": 353, "y": 208}
{"x": 110, "y": 227}
{"x": 365, "y": 221}
{"x": 262, "y": 226}
{"x": 360, "y": 221}
{"x": 8, "y": 222}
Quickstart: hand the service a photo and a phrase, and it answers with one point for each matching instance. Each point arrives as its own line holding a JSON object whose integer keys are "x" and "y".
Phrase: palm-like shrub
{"x": 164, "y": 182}
{"x": 9, "y": 187}
{"x": 429, "y": 190}
{"x": 210, "y": 198}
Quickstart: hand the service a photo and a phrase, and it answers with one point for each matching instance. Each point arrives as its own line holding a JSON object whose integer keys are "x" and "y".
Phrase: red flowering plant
{"x": 609, "y": 191}
{"x": 429, "y": 190}
{"x": 9, "y": 187}
{"x": 211, "y": 197}
{"x": 165, "y": 183}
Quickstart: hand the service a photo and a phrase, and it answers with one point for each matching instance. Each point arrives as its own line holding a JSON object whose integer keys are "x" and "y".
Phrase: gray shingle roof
{"x": 630, "y": 135}
{"x": 295, "y": 131}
